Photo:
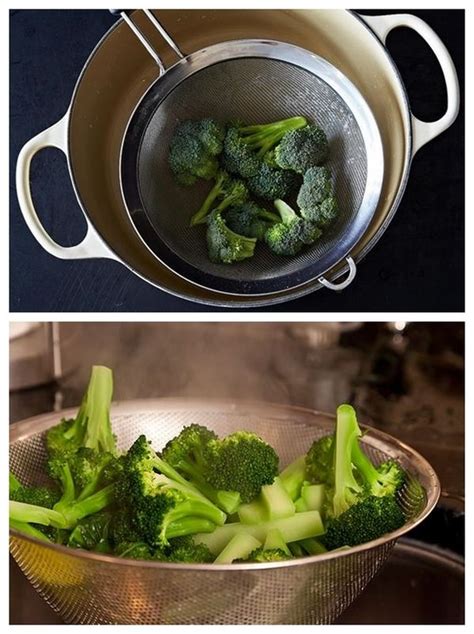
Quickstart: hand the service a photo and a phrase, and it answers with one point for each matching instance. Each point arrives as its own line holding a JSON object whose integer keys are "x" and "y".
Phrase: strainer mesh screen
{"x": 92, "y": 591}
{"x": 254, "y": 90}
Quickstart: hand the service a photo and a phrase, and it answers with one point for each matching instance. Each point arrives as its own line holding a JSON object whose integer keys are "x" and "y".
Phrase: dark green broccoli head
{"x": 319, "y": 460}
{"x": 186, "y": 451}
{"x": 271, "y": 183}
{"x": 301, "y": 149}
{"x": 368, "y": 519}
{"x": 242, "y": 462}
{"x": 250, "y": 220}
{"x": 88, "y": 465}
{"x": 316, "y": 187}
{"x": 224, "y": 245}
{"x": 40, "y": 496}
{"x": 123, "y": 528}
{"x": 290, "y": 235}
{"x": 323, "y": 214}
{"x": 184, "y": 549}
{"x": 193, "y": 150}
{"x": 246, "y": 146}
{"x": 261, "y": 556}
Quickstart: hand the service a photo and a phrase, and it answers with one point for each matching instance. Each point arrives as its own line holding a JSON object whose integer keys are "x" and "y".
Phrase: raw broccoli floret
{"x": 241, "y": 462}
{"x": 193, "y": 150}
{"x": 315, "y": 197}
{"x": 92, "y": 533}
{"x": 161, "y": 502}
{"x": 368, "y": 519}
{"x": 250, "y": 220}
{"x": 228, "y": 190}
{"x": 290, "y": 235}
{"x": 187, "y": 454}
{"x": 303, "y": 148}
{"x": 91, "y": 427}
{"x": 246, "y": 146}
{"x": 224, "y": 245}
{"x": 319, "y": 460}
{"x": 271, "y": 183}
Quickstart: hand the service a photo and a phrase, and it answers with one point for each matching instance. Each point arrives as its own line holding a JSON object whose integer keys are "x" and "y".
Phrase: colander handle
{"x": 126, "y": 16}
{"x": 339, "y": 286}
{"x": 92, "y": 245}
{"x": 424, "y": 131}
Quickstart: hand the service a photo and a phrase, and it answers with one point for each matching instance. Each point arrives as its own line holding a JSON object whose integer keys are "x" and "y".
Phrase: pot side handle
{"x": 92, "y": 245}
{"x": 423, "y": 131}
{"x": 338, "y": 286}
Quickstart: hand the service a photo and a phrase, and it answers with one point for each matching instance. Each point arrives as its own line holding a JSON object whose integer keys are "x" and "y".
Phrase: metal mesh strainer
{"x": 254, "y": 81}
{"x": 93, "y": 588}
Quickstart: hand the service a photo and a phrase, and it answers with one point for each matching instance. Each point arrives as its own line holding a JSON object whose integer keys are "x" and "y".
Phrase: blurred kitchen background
{"x": 406, "y": 379}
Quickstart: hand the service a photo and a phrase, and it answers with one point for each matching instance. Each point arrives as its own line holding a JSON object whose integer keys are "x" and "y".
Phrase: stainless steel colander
{"x": 255, "y": 81}
{"x": 89, "y": 587}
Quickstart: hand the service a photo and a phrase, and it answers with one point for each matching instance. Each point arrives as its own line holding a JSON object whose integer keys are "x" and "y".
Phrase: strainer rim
{"x": 19, "y": 431}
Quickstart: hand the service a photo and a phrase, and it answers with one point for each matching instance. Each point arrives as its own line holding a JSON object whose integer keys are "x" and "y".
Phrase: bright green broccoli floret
{"x": 368, "y": 519}
{"x": 193, "y": 150}
{"x": 290, "y": 235}
{"x": 40, "y": 496}
{"x": 316, "y": 199}
{"x": 224, "y": 245}
{"x": 227, "y": 189}
{"x": 187, "y": 454}
{"x": 319, "y": 460}
{"x": 250, "y": 220}
{"x": 91, "y": 427}
{"x": 246, "y": 146}
{"x": 386, "y": 479}
{"x": 301, "y": 149}
{"x": 161, "y": 502}
{"x": 271, "y": 183}
{"x": 184, "y": 549}
{"x": 242, "y": 462}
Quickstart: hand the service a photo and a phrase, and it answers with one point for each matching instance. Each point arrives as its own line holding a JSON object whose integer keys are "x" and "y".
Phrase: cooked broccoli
{"x": 250, "y": 220}
{"x": 161, "y": 502}
{"x": 187, "y": 454}
{"x": 241, "y": 462}
{"x": 271, "y": 183}
{"x": 92, "y": 533}
{"x": 293, "y": 476}
{"x": 246, "y": 146}
{"x": 134, "y": 550}
{"x": 273, "y": 503}
{"x": 224, "y": 245}
{"x": 319, "y": 460}
{"x": 386, "y": 479}
{"x": 193, "y": 150}
{"x": 230, "y": 191}
{"x": 261, "y": 555}
{"x": 316, "y": 199}
{"x": 184, "y": 549}
{"x": 368, "y": 519}
{"x": 301, "y": 149}
{"x": 91, "y": 427}
{"x": 40, "y": 496}
{"x": 290, "y": 235}
{"x": 29, "y": 529}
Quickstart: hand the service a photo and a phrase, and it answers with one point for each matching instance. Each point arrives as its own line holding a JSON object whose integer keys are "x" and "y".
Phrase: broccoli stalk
{"x": 273, "y": 503}
{"x": 262, "y": 137}
{"x": 386, "y": 479}
{"x": 31, "y": 513}
{"x": 231, "y": 190}
{"x": 293, "y": 476}
{"x": 28, "y": 529}
{"x": 239, "y": 547}
{"x": 290, "y": 235}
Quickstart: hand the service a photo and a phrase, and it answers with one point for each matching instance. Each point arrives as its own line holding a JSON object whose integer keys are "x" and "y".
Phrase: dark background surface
{"x": 418, "y": 265}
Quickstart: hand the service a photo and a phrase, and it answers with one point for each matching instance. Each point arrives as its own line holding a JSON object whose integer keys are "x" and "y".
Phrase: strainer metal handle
{"x": 124, "y": 14}
{"x": 91, "y": 245}
{"x": 341, "y": 285}
{"x": 424, "y": 131}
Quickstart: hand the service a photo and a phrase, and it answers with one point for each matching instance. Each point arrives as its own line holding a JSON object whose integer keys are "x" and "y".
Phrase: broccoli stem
{"x": 67, "y": 486}
{"x": 263, "y": 137}
{"x": 200, "y": 216}
{"x": 347, "y": 431}
{"x": 293, "y": 476}
{"x": 252, "y": 512}
{"x": 98, "y": 433}
{"x": 27, "y": 529}
{"x": 313, "y": 496}
{"x": 274, "y": 540}
{"x": 296, "y": 549}
{"x": 189, "y": 526}
{"x": 13, "y": 483}
{"x": 21, "y": 512}
{"x": 276, "y": 501}
{"x": 228, "y": 501}
{"x": 239, "y": 547}
{"x": 312, "y": 546}
{"x": 294, "y": 528}
{"x": 287, "y": 214}
{"x": 93, "y": 504}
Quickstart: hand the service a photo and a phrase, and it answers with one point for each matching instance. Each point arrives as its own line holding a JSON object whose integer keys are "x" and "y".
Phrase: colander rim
{"x": 372, "y": 436}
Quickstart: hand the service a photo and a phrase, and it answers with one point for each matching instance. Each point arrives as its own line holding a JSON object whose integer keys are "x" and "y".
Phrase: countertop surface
{"x": 416, "y": 266}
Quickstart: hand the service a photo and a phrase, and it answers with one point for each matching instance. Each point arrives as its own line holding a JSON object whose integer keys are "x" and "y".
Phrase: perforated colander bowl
{"x": 87, "y": 587}
{"x": 256, "y": 81}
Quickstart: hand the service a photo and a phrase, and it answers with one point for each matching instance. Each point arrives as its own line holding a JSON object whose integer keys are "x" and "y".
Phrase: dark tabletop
{"x": 418, "y": 265}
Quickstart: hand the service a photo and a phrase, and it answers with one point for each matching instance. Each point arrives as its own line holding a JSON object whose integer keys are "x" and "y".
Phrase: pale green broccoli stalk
{"x": 227, "y": 189}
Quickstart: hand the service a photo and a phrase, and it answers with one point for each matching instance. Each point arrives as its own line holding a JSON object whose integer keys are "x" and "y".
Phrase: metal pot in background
{"x": 120, "y": 70}
{"x": 35, "y": 355}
